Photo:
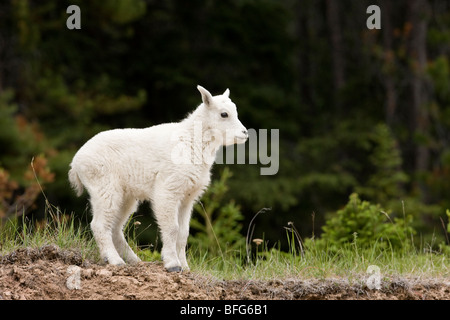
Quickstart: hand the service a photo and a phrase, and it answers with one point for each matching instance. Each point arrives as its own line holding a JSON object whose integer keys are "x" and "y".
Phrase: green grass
{"x": 349, "y": 262}
{"x": 263, "y": 263}
{"x": 57, "y": 228}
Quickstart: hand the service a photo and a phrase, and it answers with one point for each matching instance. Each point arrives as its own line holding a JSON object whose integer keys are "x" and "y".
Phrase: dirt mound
{"x": 51, "y": 273}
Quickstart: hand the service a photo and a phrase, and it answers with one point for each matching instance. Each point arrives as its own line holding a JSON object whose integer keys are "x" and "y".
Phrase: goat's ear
{"x": 227, "y": 93}
{"x": 206, "y": 96}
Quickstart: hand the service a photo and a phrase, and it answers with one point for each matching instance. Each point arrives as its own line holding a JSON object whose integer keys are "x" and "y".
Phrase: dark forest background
{"x": 359, "y": 110}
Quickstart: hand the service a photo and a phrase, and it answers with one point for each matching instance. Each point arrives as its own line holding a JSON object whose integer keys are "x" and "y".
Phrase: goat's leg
{"x": 120, "y": 243}
{"x": 105, "y": 210}
{"x": 166, "y": 213}
{"x": 183, "y": 234}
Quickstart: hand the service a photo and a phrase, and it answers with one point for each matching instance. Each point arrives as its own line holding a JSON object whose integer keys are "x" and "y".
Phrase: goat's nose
{"x": 245, "y": 132}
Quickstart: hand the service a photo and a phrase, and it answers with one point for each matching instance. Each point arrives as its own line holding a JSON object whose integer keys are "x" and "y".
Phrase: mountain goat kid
{"x": 167, "y": 164}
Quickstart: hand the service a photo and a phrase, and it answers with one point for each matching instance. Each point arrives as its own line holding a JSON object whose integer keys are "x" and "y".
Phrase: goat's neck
{"x": 203, "y": 145}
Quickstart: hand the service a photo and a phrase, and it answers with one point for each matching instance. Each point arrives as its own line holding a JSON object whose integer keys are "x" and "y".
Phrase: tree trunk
{"x": 337, "y": 52}
{"x": 418, "y": 11}
{"x": 389, "y": 62}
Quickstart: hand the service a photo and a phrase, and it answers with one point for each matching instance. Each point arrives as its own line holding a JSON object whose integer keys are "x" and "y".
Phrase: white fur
{"x": 167, "y": 164}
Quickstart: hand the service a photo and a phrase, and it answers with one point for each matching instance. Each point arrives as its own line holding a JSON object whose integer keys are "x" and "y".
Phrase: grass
{"x": 261, "y": 263}
{"x": 310, "y": 260}
{"x": 57, "y": 228}
{"x": 350, "y": 262}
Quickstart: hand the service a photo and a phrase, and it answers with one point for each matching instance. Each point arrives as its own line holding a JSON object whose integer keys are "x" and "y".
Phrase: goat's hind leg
{"x": 120, "y": 243}
{"x": 105, "y": 211}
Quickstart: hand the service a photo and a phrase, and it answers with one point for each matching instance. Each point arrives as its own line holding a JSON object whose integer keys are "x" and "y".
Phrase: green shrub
{"x": 365, "y": 223}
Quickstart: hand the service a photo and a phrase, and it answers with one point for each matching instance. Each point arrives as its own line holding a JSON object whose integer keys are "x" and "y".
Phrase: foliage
{"x": 22, "y": 142}
{"x": 386, "y": 179}
{"x": 216, "y": 225}
{"x": 20, "y": 139}
{"x": 364, "y": 223}
{"x": 17, "y": 200}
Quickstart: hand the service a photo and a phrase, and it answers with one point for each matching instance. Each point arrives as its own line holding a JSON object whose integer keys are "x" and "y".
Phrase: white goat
{"x": 167, "y": 164}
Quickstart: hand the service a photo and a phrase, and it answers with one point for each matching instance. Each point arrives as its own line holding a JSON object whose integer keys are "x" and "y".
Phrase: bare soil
{"x": 52, "y": 273}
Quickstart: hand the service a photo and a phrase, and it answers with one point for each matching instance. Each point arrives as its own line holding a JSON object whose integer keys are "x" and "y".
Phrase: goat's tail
{"x": 75, "y": 182}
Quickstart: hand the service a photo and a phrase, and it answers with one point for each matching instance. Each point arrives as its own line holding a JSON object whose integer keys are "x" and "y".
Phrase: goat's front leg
{"x": 183, "y": 234}
{"x": 166, "y": 214}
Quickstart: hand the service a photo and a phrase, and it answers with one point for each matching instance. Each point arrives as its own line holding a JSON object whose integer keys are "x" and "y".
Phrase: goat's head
{"x": 221, "y": 118}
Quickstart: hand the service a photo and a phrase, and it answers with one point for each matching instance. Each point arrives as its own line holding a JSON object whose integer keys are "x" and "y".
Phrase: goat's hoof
{"x": 174, "y": 269}
{"x": 117, "y": 262}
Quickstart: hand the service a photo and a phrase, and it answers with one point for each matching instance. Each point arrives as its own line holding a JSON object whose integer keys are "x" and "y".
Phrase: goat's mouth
{"x": 241, "y": 139}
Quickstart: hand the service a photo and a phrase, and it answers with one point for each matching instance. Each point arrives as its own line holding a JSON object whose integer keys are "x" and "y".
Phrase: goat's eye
{"x": 224, "y": 115}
